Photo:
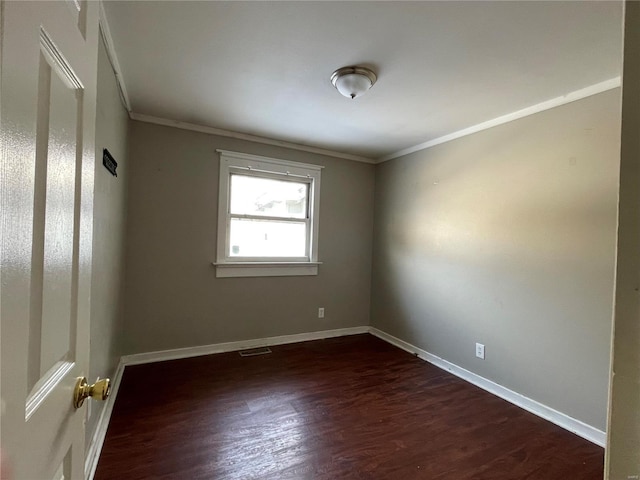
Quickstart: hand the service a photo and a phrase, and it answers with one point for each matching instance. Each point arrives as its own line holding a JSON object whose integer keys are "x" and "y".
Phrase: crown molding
{"x": 105, "y": 33}
{"x": 525, "y": 112}
{"x": 245, "y": 136}
{"x": 510, "y": 117}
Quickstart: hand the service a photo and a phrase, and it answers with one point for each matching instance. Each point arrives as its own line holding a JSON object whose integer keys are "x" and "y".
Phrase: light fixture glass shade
{"x": 353, "y": 85}
{"x": 353, "y": 81}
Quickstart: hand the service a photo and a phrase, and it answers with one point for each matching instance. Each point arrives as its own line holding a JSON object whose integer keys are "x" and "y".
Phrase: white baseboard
{"x": 565, "y": 421}
{"x": 97, "y": 440}
{"x": 562, "y": 420}
{"x": 178, "y": 353}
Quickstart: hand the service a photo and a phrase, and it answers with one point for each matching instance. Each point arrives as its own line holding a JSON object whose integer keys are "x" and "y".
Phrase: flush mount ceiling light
{"x": 353, "y": 81}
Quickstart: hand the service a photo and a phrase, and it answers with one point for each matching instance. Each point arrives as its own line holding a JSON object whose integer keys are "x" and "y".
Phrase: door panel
{"x": 49, "y": 54}
{"x": 52, "y": 333}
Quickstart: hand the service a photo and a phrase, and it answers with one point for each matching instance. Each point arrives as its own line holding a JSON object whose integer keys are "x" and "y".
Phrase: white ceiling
{"x": 263, "y": 68}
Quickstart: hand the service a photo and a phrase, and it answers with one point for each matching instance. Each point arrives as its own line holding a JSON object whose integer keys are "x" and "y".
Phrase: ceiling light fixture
{"x": 353, "y": 81}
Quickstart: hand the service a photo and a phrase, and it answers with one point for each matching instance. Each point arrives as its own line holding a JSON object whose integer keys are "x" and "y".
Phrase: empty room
{"x": 320, "y": 240}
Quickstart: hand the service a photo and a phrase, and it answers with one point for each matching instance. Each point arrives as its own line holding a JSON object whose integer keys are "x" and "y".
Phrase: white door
{"x": 48, "y": 120}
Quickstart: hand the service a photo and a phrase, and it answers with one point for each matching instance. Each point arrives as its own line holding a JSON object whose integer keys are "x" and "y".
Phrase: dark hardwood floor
{"x": 344, "y": 408}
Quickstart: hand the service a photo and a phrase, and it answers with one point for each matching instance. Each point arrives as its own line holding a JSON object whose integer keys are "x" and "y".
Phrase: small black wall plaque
{"x": 109, "y": 162}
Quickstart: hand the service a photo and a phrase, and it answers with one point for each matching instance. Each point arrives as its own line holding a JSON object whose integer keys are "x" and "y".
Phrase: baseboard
{"x": 565, "y": 421}
{"x": 97, "y": 440}
{"x": 562, "y": 420}
{"x": 163, "y": 355}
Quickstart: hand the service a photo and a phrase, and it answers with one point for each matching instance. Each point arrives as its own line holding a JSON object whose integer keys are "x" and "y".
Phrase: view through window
{"x": 268, "y": 212}
{"x": 269, "y": 217}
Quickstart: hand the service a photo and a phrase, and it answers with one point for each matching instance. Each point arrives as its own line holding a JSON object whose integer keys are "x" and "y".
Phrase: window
{"x": 267, "y": 217}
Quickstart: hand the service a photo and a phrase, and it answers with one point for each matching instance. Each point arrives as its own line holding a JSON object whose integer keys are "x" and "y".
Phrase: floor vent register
{"x": 255, "y": 351}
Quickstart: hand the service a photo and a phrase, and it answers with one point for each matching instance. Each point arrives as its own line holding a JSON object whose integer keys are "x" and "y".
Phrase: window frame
{"x": 306, "y": 220}
{"x": 264, "y": 167}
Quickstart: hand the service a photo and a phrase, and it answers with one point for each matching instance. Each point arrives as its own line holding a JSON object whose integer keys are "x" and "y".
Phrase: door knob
{"x": 98, "y": 391}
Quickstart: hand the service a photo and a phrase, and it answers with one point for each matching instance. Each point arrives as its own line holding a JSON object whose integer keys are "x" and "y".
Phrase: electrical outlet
{"x": 321, "y": 312}
{"x": 480, "y": 350}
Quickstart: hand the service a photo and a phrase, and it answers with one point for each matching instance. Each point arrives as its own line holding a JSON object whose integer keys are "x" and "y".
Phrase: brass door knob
{"x": 98, "y": 391}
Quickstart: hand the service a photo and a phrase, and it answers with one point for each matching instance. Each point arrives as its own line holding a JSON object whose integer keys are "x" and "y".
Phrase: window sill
{"x": 266, "y": 269}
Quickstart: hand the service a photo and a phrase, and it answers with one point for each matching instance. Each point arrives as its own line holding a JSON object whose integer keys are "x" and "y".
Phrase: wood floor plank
{"x": 344, "y": 408}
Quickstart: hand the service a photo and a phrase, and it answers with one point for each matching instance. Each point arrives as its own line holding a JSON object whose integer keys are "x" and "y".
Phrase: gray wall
{"x": 507, "y": 238}
{"x": 623, "y": 452}
{"x": 173, "y": 296}
{"x": 109, "y": 213}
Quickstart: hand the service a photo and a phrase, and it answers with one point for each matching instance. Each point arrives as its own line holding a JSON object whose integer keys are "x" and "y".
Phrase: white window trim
{"x": 226, "y": 266}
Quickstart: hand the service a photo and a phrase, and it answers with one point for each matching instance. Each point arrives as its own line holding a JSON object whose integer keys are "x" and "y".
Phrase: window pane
{"x": 265, "y": 196}
{"x": 266, "y": 238}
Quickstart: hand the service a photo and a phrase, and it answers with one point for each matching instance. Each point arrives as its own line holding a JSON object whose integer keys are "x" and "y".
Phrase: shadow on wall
{"x": 507, "y": 238}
